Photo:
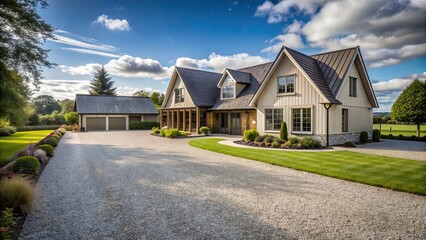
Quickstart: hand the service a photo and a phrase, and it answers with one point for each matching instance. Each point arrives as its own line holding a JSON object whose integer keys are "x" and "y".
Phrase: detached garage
{"x": 104, "y": 113}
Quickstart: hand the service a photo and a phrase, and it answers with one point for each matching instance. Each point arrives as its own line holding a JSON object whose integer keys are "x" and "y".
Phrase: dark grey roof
{"x": 239, "y": 76}
{"x": 103, "y": 104}
{"x": 310, "y": 66}
{"x": 257, "y": 74}
{"x": 201, "y": 85}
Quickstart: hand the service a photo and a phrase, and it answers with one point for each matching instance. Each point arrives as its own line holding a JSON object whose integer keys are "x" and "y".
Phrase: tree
{"x": 102, "y": 84}
{"x": 161, "y": 99}
{"x": 71, "y": 118}
{"x": 67, "y": 105}
{"x": 141, "y": 93}
{"x": 45, "y": 104}
{"x": 283, "y": 131}
{"x": 411, "y": 104}
{"x": 157, "y": 98}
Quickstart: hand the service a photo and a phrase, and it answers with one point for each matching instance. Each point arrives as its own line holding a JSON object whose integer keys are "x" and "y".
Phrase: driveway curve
{"x": 130, "y": 185}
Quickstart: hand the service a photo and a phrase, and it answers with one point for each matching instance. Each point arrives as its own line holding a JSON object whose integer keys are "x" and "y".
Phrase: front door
{"x": 235, "y": 123}
{"x": 221, "y": 124}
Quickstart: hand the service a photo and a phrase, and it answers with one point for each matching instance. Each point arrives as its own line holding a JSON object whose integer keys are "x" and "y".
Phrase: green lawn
{"x": 12, "y": 144}
{"x": 405, "y": 130}
{"x": 393, "y": 173}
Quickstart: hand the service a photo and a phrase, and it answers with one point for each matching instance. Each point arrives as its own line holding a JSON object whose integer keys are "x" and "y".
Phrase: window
{"x": 273, "y": 119}
{"x": 302, "y": 120}
{"x": 228, "y": 88}
{"x": 179, "y": 95}
{"x": 345, "y": 120}
{"x": 352, "y": 86}
{"x": 286, "y": 84}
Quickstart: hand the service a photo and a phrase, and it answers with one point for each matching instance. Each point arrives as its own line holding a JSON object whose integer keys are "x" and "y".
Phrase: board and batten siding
{"x": 360, "y": 112}
{"x": 305, "y": 97}
{"x": 171, "y": 100}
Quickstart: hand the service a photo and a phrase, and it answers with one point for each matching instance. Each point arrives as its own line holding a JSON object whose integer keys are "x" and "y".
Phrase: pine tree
{"x": 102, "y": 84}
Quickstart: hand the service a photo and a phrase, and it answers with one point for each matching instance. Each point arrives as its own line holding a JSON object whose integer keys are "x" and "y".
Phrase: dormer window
{"x": 179, "y": 95}
{"x": 228, "y": 88}
{"x": 286, "y": 84}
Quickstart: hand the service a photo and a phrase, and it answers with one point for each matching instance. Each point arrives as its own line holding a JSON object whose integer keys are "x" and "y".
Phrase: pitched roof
{"x": 201, "y": 85}
{"x": 104, "y": 104}
{"x": 239, "y": 76}
{"x": 257, "y": 74}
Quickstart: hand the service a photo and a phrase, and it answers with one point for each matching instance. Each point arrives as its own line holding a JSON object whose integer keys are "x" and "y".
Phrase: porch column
{"x": 229, "y": 123}
{"x": 161, "y": 118}
{"x": 197, "y": 125}
{"x": 183, "y": 120}
{"x": 190, "y": 120}
{"x": 168, "y": 119}
{"x": 173, "y": 119}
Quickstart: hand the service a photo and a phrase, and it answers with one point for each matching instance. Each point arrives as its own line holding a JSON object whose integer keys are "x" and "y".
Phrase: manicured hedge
{"x": 401, "y": 137}
{"x": 144, "y": 125}
{"x": 26, "y": 165}
{"x": 39, "y": 127}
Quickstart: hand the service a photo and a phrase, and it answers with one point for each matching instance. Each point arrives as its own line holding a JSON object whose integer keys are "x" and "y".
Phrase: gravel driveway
{"x": 129, "y": 185}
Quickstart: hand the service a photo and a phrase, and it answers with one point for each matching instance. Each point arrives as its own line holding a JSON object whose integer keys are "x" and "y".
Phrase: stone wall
{"x": 336, "y": 139}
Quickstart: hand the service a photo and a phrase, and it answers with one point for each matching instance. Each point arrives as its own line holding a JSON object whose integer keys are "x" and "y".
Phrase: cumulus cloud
{"x": 388, "y": 32}
{"x": 113, "y": 24}
{"x": 62, "y": 89}
{"x": 87, "y": 69}
{"x": 291, "y": 40}
{"x": 218, "y": 63}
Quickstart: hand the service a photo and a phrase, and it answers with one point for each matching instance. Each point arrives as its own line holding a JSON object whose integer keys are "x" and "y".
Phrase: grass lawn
{"x": 393, "y": 173}
{"x": 12, "y": 144}
{"x": 405, "y": 130}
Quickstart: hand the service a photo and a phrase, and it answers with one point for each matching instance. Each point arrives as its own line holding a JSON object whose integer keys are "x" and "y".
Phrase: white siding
{"x": 305, "y": 96}
{"x": 171, "y": 100}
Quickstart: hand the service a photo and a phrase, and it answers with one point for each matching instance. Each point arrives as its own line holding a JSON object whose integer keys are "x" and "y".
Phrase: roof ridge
{"x": 300, "y": 53}
{"x": 89, "y": 95}
{"x": 344, "y": 49}
{"x": 254, "y": 66}
{"x": 199, "y": 70}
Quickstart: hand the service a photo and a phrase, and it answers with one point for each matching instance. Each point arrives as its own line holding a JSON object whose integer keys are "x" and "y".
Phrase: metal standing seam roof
{"x": 105, "y": 104}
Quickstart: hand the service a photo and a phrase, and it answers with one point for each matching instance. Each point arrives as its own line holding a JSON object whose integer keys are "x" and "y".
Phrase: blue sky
{"x": 139, "y": 42}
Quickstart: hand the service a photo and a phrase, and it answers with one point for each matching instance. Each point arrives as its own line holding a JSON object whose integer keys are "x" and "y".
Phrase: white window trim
{"x": 264, "y": 124}
{"x": 301, "y": 120}
{"x": 183, "y": 95}
{"x": 294, "y": 87}
{"x": 228, "y": 84}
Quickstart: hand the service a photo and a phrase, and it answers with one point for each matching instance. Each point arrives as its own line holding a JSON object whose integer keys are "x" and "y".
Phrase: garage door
{"x": 95, "y": 123}
{"x": 117, "y": 123}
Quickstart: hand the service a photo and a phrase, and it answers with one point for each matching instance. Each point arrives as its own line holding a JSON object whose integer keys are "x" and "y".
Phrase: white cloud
{"x": 93, "y": 52}
{"x": 277, "y": 12}
{"x": 82, "y": 43}
{"x": 63, "y": 89}
{"x": 87, "y": 69}
{"x": 113, "y": 24}
{"x": 218, "y": 63}
{"x": 291, "y": 40}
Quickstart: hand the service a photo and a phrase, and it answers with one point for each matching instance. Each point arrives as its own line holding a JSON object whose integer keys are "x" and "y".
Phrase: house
{"x": 327, "y": 96}
{"x": 103, "y": 112}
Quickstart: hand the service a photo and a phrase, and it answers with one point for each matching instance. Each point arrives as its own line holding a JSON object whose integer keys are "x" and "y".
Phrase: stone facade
{"x": 336, "y": 139}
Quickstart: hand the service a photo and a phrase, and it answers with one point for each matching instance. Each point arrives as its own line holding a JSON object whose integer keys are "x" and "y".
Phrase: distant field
{"x": 405, "y": 130}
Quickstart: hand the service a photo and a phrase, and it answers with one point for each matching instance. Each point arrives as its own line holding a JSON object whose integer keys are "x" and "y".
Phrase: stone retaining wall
{"x": 336, "y": 139}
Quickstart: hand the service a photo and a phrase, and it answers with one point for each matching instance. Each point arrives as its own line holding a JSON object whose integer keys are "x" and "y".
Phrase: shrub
{"x": 76, "y": 128}
{"x": 57, "y": 134}
{"x": 143, "y": 125}
{"x": 4, "y": 132}
{"x": 47, "y": 148}
{"x": 259, "y": 138}
{"x": 71, "y": 118}
{"x": 204, "y": 130}
{"x": 364, "y": 137}
{"x": 268, "y": 139}
{"x": 52, "y": 141}
{"x": 287, "y": 144}
{"x": 172, "y": 133}
{"x": 62, "y": 131}
{"x": 250, "y": 135}
{"x": 163, "y": 132}
{"x": 16, "y": 192}
{"x": 40, "y": 155}
{"x": 39, "y": 127}
{"x": 6, "y": 220}
{"x": 156, "y": 130}
{"x": 294, "y": 140}
{"x": 400, "y": 136}
{"x": 34, "y": 119}
{"x": 309, "y": 142}
{"x": 376, "y": 135}
{"x": 68, "y": 128}
{"x": 55, "y": 137}
{"x": 390, "y": 135}
{"x": 278, "y": 140}
{"x": 283, "y": 131}
{"x": 349, "y": 144}
{"x": 276, "y": 144}
{"x": 261, "y": 144}
{"x": 413, "y": 137}
{"x": 10, "y": 129}
{"x": 26, "y": 165}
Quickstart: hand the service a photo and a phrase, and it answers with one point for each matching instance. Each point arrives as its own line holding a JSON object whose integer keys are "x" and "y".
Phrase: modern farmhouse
{"x": 327, "y": 94}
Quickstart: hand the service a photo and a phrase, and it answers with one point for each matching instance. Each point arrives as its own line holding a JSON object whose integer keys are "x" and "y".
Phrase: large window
{"x": 302, "y": 120}
{"x": 286, "y": 84}
{"x": 273, "y": 119}
{"x": 345, "y": 120}
{"x": 228, "y": 88}
{"x": 352, "y": 86}
{"x": 179, "y": 95}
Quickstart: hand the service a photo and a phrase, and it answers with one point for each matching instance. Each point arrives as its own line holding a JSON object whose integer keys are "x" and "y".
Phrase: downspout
{"x": 327, "y": 107}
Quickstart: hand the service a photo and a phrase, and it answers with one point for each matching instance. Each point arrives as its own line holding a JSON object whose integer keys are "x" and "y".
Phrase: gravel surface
{"x": 414, "y": 150}
{"x": 130, "y": 185}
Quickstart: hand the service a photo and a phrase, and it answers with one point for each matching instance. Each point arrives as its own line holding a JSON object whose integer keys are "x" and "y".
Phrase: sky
{"x": 140, "y": 42}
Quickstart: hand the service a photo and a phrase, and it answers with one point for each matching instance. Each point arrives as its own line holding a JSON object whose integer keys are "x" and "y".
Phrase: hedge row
{"x": 38, "y": 127}
{"x": 401, "y": 137}
{"x": 143, "y": 125}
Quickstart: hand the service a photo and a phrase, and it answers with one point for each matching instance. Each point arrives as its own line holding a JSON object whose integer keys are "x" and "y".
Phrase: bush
{"x": 39, "y": 127}
{"x": 62, "y": 131}
{"x": 390, "y": 135}
{"x": 250, "y": 135}
{"x": 71, "y": 118}
{"x": 287, "y": 144}
{"x": 376, "y": 135}
{"x": 40, "y": 155}
{"x": 163, "y": 132}
{"x": 283, "y": 131}
{"x": 276, "y": 144}
{"x": 55, "y": 137}
{"x": 364, "y": 137}
{"x": 349, "y": 144}
{"x": 34, "y": 119}
{"x": 268, "y": 139}
{"x": 294, "y": 140}
{"x": 26, "y": 165}
{"x": 172, "y": 133}
{"x": 47, "y": 148}
{"x": 400, "y": 136}
{"x": 10, "y": 129}
{"x": 17, "y": 192}
{"x": 309, "y": 142}
{"x": 6, "y": 220}
{"x": 259, "y": 138}
{"x": 278, "y": 140}
{"x": 204, "y": 130}
{"x": 4, "y": 132}
{"x": 143, "y": 125}
{"x": 68, "y": 128}
{"x": 52, "y": 141}
{"x": 413, "y": 137}
{"x": 156, "y": 130}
